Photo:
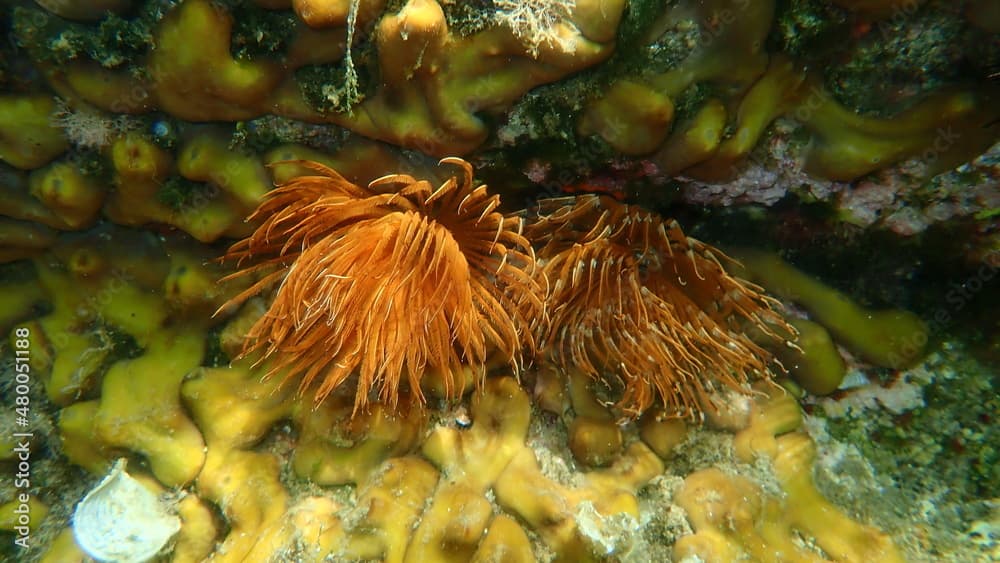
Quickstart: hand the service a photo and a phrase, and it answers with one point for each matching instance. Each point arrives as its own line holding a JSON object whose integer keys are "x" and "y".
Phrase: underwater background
{"x": 730, "y": 292}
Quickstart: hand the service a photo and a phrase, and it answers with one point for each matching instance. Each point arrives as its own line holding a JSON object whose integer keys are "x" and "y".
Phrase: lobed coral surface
{"x": 489, "y": 392}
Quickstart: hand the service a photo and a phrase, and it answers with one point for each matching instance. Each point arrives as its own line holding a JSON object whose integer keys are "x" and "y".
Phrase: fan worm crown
{"x": 390, "y": 281}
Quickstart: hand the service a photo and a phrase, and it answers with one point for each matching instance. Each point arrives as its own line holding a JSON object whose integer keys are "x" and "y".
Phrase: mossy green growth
{"x": 639, "y": 16}
{"x": 990, "y": 213}
{"x": 264, "y": 133}
{"x": 114, "y": 42}
{"x": 807, "y": 28}
{"x": 93, "y": 165}
{"x": 691, "y": 99}
{"x": 258, "y": 32}
{"x": 214, "y": 355}
{"x": 469, "y": 17}
{"x": 178, "y": 192}
{"x": 916, "y": 52}
{"x": 330, "y": 88}
{"x": 251, "y": 136}
{"x": 945, "y": 449}
{"x": 15, "y": 273}
{"x": 542, "y": 127}
{"x": 123, "y": 344}
{"x": 645, "y": 45}
{"x": 890, "y": 338}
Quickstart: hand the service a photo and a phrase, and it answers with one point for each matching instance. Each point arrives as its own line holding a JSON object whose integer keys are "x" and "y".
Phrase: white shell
{"x": 123, "y": 521}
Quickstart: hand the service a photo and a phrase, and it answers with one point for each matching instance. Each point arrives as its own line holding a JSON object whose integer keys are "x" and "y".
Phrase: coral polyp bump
{"x": 635, "y": 297}
{"x": 391, "y": 280}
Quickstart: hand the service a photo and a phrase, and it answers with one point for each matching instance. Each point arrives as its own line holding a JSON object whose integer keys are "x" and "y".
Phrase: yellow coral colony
{"x": 734, "y": 520}
{"x": 635, "y": 114}
{"x": 392, "y": 280}
{"x": 633, "y": 296}
{"x": 427, "y": 488}
{"x": 434, "y": 81}
{"x": 383, "y": 292}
